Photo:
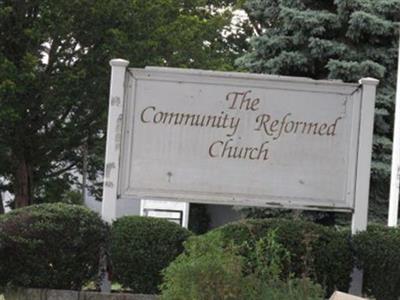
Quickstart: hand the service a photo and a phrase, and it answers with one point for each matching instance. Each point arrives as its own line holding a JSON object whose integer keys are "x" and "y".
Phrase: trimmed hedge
{"x": 141, "y": 247}
{"x": 377, "y": 252}
{"x": 322, "y": 253}
{"x": 50, "y": 246}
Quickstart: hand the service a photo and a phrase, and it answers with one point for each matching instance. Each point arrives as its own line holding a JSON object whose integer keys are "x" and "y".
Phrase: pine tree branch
{"x": 61, "y": 171}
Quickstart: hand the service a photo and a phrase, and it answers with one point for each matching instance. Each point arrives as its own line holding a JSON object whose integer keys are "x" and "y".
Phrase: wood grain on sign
{"x": 344, "y": 296}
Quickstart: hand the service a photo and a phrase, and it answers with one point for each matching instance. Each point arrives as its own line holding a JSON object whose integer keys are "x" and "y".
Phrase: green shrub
{"x": 208, "y": 269}
{"x": 378, "y": 254}
{"x": 321, "y": 253}
{"x": 50, "y": 246}
{"x": 205, "y": 271}
{"x": 141, "y": 247}
{"x": 292, "y": 289}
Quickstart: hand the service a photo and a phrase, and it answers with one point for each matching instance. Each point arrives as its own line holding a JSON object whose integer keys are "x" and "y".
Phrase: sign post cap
{"x": 369, "y": 81}
{"x": 119, "y": 62}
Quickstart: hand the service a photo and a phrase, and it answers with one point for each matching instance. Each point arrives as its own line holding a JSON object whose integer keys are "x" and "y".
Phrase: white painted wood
{"x": 305, "y": 171}
{"x": 308, "y": 171}
{"x": 261, "y": 78}
{"x": 360, "y": 214}
{"x": 114, "y": 132}
{"x": 186, "y": 211}
{"x": 395, "y": 174}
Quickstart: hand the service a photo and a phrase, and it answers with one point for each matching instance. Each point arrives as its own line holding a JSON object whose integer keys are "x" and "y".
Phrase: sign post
{"x": 241, "y": 139}
{"x": 114, "y": 131}
{"x": 395, "y": 174}
{"x": 360, "y": 214}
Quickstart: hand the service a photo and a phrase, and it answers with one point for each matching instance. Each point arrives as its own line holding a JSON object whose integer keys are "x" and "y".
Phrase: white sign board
{"x": 252, "y": 140}
{"x": 243, "y": 139}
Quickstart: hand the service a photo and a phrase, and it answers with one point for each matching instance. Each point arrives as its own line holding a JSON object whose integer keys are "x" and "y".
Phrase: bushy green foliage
{"x": 321, "y": 253}
{"x": 141, "y": 247}
{"x": 54, "y": 77}
{"x": 50, "y": 246}
{"x": 273, "y": 254}
{"x": 210, "y": 269}
{"x": 378, "y": 254}
{"x": 292, "y": 289}
{"x": 205, "y": 271}
{"x": 337, "y": 39}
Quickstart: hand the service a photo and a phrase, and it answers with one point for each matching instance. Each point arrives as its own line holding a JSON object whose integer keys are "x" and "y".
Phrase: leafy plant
{"x": 210, "y": 269}
{"x": 205, "y": 271}
{"x": 322, "y": 253}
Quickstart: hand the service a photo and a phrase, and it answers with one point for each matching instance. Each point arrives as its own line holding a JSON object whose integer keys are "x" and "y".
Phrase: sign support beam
{"x": 360, "y": 214}
{"x": 395, "y": 175}
{"x": 114, "y": 134}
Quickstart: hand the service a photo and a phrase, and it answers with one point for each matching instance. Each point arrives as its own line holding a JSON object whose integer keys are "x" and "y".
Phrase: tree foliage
{"x": 54, "y": 77}
{"x": 336, "y": 39}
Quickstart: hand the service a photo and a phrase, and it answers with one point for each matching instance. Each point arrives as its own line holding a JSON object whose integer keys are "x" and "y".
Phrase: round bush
{"x": 322, "y": 253}
{"x": 50, "y": 246}
{"x": 141, "y": 247}
{"x": 377, "y": 252}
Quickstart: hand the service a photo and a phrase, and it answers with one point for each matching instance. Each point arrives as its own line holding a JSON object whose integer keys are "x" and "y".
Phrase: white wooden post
{"x": 360, "y": 214}
{"x": 395, "y": 175}
{"x": 114, "y": 132}
{"x": 185, "y": 221}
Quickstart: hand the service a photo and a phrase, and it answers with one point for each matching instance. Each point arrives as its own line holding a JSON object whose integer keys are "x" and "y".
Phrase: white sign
{"x": 244, "y": 139}
{"x": 240, "y": 139}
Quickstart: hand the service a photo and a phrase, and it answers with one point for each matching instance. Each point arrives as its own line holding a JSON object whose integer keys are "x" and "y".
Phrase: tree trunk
{"x": 84, "y": 171}
{"x": 1, "y": 203}
{"x": 23, "y": 191}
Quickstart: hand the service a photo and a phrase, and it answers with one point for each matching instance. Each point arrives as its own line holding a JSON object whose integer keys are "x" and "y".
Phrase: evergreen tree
{"x": 336, "y": 39}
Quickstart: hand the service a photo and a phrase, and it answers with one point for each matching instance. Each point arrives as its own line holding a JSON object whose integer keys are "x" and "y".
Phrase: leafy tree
{"x": 54, "y": 76}
{"x": 337, "y": 39}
